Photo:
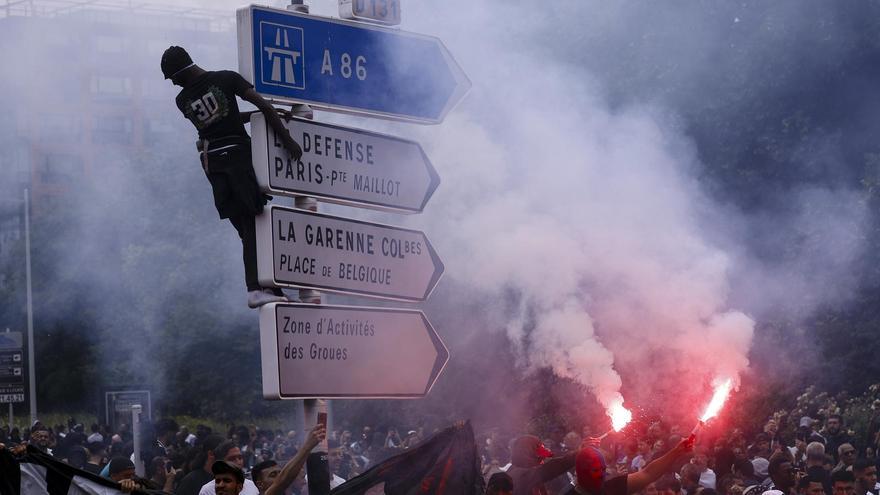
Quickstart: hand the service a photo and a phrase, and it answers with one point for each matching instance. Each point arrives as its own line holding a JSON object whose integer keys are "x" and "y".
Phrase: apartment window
{"x": 111, "y": 129}
{"x": 60, "y": 168}
{"x": 109, "y": 44}
{"x": 111, "y": 86}
{"x": 60, "y": 128}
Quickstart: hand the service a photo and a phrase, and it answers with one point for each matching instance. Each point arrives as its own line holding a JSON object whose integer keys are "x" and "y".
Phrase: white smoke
{"x": 581, "y": 224}
{"x": 593, "y": 218}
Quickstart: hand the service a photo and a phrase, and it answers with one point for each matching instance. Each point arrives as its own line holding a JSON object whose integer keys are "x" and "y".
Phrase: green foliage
{"x": 22, "y": 419}
{"x": 276, "y": 422}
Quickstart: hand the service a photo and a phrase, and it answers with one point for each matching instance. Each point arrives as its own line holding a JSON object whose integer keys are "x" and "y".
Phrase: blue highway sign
{"x": 347, "y": 66}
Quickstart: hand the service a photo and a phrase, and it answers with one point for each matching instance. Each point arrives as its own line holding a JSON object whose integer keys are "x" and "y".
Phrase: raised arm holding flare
{"x": 590, "y": 468}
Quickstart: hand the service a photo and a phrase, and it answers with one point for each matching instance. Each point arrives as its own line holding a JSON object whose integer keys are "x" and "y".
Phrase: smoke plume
{"x": 574, "y": 215}
{"x": 576, "y": 208}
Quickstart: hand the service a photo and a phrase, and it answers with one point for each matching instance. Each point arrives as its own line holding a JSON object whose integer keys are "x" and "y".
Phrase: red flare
{"x": 722, "y": 392}
{"x": 620, "y": 416}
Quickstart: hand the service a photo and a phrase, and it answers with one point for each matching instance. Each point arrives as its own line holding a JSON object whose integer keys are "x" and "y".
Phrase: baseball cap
{"x": 222, "y": 467}
{"x": 761, "y": 465}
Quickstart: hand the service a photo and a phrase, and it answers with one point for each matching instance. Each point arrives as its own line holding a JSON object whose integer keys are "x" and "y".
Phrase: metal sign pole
{"x": 10, "y": 405}
{"x": 136, "y": 434}
{"x": 32, "y": 379}
{"x": 311, "y": 407}
{"x": 314, "y": 407}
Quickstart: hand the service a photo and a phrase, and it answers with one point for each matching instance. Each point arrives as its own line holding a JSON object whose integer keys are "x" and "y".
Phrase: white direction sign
{"x": 382, "y": 11}
{"x": 344, "y": 165}
{"x": 321, "y": 351}
{"x": 299, "y": 248}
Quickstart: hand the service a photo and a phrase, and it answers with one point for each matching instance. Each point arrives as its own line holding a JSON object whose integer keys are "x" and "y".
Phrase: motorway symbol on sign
{"x": 344, "y": 165}
{"x": 299, "y": 248}
{"x": 347, "y": 66}
{"x": 321, "y": 351}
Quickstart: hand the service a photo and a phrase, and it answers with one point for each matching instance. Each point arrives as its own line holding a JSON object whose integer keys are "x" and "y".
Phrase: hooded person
{"x": 591, "y": 470}
{"x": 533, "y": 464}
{"x": 208, "y": 100}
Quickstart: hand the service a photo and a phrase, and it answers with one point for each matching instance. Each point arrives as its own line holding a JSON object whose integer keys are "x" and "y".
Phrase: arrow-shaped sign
{"x": 348, "y": 352}
{"x": 344, "y": 165}
{"x": 299, "y": 248}
{"x": 347, "y": 66}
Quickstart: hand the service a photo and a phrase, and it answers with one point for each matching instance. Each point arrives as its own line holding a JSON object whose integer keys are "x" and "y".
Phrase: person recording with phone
{"x": 162, "y": 474}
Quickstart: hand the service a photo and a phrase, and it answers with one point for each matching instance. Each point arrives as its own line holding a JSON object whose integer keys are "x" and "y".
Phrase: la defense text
{"x": 311, "y": 169}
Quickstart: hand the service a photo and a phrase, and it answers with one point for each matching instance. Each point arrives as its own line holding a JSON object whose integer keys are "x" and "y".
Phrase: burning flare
{"x": 722, "y": 391}
{"x": 620, "y": 416}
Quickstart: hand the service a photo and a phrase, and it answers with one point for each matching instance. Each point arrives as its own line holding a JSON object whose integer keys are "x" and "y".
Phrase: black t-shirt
{"x": 193, "y": 482}
{"x": 209, "y": 103}
{"x": 614, "y": 486}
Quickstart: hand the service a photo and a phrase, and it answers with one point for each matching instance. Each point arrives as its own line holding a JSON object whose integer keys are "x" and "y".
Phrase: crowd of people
{"x": 815, "y": 457}
{"x": 178, "y": 460}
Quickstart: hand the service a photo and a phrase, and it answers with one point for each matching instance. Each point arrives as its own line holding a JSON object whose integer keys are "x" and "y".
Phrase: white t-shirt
{"x": 249, "y": 488}
{"x": 707, "y": 479}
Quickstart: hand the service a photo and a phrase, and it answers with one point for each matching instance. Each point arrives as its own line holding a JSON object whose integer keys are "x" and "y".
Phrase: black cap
{"x": 120, "y": 464}
{"x": 174, "y": 60}
{"x": 221, "y": 467}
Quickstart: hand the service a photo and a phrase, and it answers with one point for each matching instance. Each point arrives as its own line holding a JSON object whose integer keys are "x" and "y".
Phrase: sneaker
{"x": 257, "y": 298}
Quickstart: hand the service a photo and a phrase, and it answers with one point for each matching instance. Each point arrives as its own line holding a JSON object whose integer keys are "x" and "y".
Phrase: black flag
{"x": 36, "y": 473}
{"x": 445, "y": 464}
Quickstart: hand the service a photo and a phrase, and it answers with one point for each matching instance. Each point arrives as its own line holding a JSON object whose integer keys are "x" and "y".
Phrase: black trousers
{"x": 238, "y": 198}
{"x": 247, "y": 231}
